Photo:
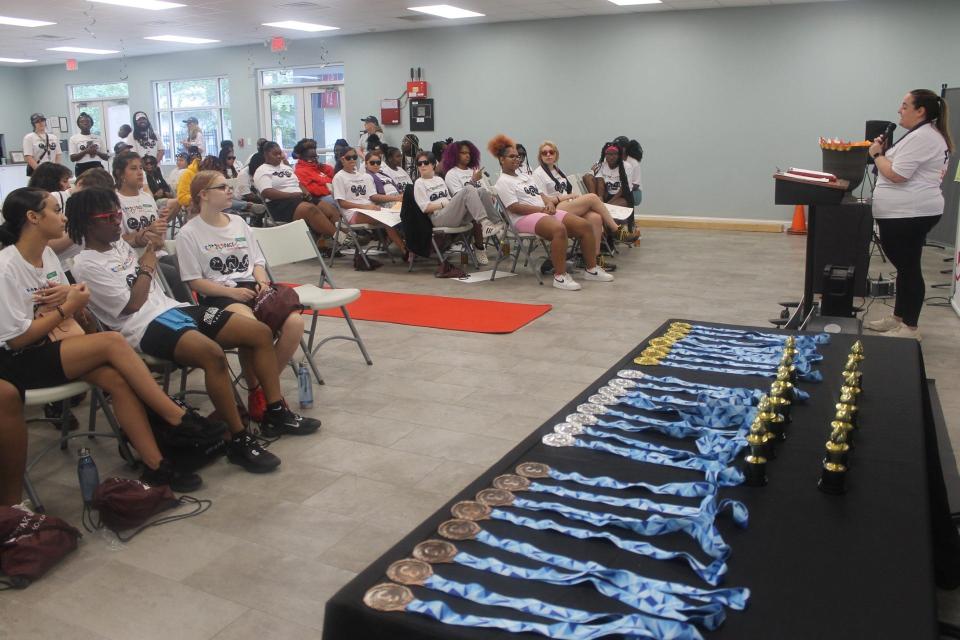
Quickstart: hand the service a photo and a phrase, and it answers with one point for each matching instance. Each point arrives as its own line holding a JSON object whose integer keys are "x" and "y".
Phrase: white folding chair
{"x": 526, "y": 244}
{"x": 62, "y": 393}
{"x": 291, "y": 243}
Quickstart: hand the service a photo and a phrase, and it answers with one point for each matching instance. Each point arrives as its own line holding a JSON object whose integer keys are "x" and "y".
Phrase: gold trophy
{"x": 780, "y": 400}
{"x": 783, "y": 379}
{"x": 834, "y": 464}
{"x": 851, "y": 380}
{"x": 772, "y": 421}
{"x": 755, "y": 462}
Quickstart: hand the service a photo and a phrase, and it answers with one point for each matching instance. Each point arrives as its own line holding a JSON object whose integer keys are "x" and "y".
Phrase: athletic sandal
{"x": 245, "y": 451}
{"x": 566, "y": 282}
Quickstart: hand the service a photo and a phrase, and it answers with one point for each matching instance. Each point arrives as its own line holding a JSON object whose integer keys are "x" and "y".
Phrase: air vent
{"x": 47, "y": 36}
{"x": 416, "y": 18}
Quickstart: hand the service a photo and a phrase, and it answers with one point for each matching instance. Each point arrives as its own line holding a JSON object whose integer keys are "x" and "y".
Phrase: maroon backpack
{"x": 31, "y": 544}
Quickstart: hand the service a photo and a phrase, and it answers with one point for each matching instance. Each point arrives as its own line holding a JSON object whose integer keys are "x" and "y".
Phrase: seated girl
{"x": 315, "y": 176}
{"x": 13, "y": 441}
{"x": 37, "y": 298}
{"x": 610, "y": 179}
{"x": 392, "y": 168}
{"x": 531, "y": 212}
{"x": 355, "y": 192}
{"x": 220, "y": 260}
{"x": 286, "y": 198}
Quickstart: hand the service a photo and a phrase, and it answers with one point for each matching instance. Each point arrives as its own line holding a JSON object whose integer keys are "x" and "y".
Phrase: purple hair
{"x": 452, "y": 152}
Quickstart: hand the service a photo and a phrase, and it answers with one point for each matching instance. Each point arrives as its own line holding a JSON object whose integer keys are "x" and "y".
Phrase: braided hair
{"x": 84, "y": 204}
{"x": 625, "y": 190}
{"x": 414, "y": 142}
{"x": 543, "y": 165}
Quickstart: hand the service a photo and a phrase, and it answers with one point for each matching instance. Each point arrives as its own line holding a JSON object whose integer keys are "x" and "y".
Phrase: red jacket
{"x": 316, "y": 178}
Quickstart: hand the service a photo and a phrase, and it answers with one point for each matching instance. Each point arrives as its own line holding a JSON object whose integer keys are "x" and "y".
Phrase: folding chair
{"x": 526, "y": 243}
{"x": 463, "y": 233}
{"x": 291, "y": 243}
{"x": 350, "y": 231}
{"x": 63, "y": 393}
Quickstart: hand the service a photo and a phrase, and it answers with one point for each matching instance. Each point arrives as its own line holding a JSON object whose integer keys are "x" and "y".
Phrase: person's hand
{"x": 51, "y": 296}
{"x": 478, "y": 175}
{"x": 876, "y": 147}
{"x": 76, "y": 298}
{"x": 92, "y": 150}
{"x": 550, "y": 208}
{"x": 240, "y": 294}
{"x": 159, "y": 226}
{"x": 595, "y": 167}
{"x": 148, "y": 260}
{"x": 262, "y": 285}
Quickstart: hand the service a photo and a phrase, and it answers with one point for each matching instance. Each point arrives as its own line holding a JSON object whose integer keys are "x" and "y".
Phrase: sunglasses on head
{"x": 111, "y": 216}
{"x": 423, "y": 163}
{"x": 353, "y": 157}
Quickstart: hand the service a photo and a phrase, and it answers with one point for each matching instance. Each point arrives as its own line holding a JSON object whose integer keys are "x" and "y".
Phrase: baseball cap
{"x": 37, "y": 117}
{"x": 121, "y": 147}
{"x": 190, "y": 120}
{"x": 372, "y": 119}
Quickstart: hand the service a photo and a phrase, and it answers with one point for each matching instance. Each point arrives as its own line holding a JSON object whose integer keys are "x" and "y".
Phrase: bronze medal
{"x": 511, "y": 482}
{"x": 435, "y": 551}
{"x": 495, "y": 497}
{"x": 409, "y": 571}
{"x": 533, "y": 470}
{"x": 388, "y": 597}
{"x": 459, "y": 529}
{"x": 470, "y": 510}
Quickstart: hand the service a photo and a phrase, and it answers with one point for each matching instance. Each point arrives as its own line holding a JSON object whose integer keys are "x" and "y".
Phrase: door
{"x": 304, "y": 112}
{"x": 108, "y": 116}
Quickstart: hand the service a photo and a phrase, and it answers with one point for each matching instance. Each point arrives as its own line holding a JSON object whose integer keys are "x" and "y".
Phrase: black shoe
{"x": 179, "y": 481}
{"x": 285, "y": 422}
{"x": 245, "y": 451}
{"x": 54, "y": 411}
{"x": 199, "y": 427}
{"x": 547, "y": 267}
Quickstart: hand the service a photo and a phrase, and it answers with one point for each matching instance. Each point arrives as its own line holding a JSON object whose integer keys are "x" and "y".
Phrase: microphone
{"x": 888, "y": 135}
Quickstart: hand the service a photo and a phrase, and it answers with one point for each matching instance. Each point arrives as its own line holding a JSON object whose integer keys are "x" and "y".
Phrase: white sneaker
{"x": 482, "y": 258}
{"x": 566, "y": 282}
{"x": 598, "y": 275}
{"x": 887, "y": 323}
{"x": 903, "y": 331}
{"x": 490, "y": 228}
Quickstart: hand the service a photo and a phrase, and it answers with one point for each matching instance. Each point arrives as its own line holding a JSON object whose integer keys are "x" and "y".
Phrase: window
{"x": 206, "y": 99}
{"x": 98, "y": 91}
{"x": 319, "y": 75}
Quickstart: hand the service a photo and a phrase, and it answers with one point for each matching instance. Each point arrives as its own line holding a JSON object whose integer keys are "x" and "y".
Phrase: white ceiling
{"x": 235, "y": 22}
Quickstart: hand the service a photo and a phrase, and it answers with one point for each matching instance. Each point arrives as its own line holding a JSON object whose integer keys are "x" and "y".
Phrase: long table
{"x": 857, "y": 565}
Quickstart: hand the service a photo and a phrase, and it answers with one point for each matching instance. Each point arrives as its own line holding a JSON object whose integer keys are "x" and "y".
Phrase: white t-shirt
{"x": 520, "y": 188}
{"x": 79, "y": 142}
{"x": 362, "y": 142}
{"x": 522, "y": 170}
{"x": 46, "y": 145}
{"x": 148, "y": 148}
{"x": 67, "y": 255}
{"x": 280, "y": 177}
{"x": 197, "y": 141}
{"x": 19, "y": 280}
{"x": 633, "y": 173}
{"x": 139, "y": 212}
{"x": 611, "y": 176}
{"x": 110, "y": 276}
{"x": 354, "y": 187}
{"x": 389, "y": 188}
{"x": 456, "y": 178}
{"x": 173, "y": 178}
{"x": 400, "y": 177}
{"x": 921, "y": 157}
{"x": 429, "y": 190}
{"x": 546, "y": 184}
{"x": 226, "y": 255}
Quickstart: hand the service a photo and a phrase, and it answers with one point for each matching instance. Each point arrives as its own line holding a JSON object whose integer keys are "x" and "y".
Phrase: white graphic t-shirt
{"x": 353, "y": 187}
{"x": 611, "y": 176}
{"x": 520, "y": 188}
{"x": 280, "y": 177}
{"x": 225, "y": 255}
{"x": 429, "y": 190}
{"x": 19, "y": 281}
{"x": 139, "y": 212}
{"x": 46, "y": 145}
{"x": 79, "y": 142}
{"x": 547, "y": 185}
{"x": 147, "y": 147}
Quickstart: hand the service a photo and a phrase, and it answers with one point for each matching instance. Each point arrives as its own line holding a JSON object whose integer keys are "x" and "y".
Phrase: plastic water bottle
{"x": 87, "y": 474}
{"x": 306, "y": 386}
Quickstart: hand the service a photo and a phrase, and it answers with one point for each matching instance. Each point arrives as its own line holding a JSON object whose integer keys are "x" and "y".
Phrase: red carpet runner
{"x": 440, "y": 312}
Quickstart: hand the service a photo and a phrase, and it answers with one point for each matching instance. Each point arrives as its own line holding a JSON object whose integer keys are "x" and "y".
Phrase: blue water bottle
{"x": 306, "y": 386}
{"x": 87, "y": 474}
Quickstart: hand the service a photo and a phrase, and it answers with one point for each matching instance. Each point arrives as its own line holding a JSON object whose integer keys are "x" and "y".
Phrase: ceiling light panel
{"x": 300, "y": 26}
{"x": 16, "y": 60}
{"x": 99, "y": 52}
{"x": 630, "y": 3}
{"x": 24, "y": 22}
{"x": 150, "y": 5}
{"x": 446, "y": 11}
{"x": 182, "y": 39}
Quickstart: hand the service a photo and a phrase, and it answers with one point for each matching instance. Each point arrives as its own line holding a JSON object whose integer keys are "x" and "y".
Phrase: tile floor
{"x": 399, "y": 439}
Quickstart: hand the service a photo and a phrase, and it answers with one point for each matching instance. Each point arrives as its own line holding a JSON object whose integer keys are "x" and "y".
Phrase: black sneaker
{"x": 165, "y": 474}
{"x": 245, "y": 451}
{"x": 285, "y": 422}
{"x": 201, "y": 427}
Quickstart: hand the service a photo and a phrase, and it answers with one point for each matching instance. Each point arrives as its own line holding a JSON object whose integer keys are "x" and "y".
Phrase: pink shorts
{"x": 528, "y": 223}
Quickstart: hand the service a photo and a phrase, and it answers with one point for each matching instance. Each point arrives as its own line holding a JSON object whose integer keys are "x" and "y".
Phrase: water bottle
{"x": 87, "y": 474}
{"x": 306, "y": 386}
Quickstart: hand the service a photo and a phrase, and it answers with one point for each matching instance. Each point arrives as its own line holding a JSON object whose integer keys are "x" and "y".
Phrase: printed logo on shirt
{"x": 143, "y": 222}
{"x": 125, "y": 264}
{"x": 358, "y": 189}
{"x": 437, "y": 195}
{"x": 531, "y": 190}
{"x": 282, "y": 173}
{"x": 223, "y": 247}
{"x": 131, "y": 279}
{"x": 613, "y": 187}
{"x": 231, "y": 265}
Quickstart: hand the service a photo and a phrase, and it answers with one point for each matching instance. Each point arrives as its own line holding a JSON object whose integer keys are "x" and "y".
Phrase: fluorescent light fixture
{"x": 16, "y": 60}
{"x": 446, "y": 11}
{"x": 24, "y": 22}
{"x": 100, "y": 52}
{"x": 183, "y": 39}
{"x": 299, "y": 26}
{"x": 627, "y": 3}
{"x": 150, "y": 5}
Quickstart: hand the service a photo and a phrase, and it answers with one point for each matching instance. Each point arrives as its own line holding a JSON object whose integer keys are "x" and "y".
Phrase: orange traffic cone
{"x": 799, "y": 226}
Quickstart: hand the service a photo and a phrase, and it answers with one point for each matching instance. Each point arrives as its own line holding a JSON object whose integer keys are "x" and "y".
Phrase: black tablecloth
{"x": 857, "y": 565}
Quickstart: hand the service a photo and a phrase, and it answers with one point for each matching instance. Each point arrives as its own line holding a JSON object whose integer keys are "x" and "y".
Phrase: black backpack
{"x": 417, "y": 228}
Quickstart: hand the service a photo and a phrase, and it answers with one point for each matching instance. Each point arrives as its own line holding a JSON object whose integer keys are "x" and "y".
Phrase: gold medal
{"x": 459, "y": 529}
{"x": 646, "y": 361}
{"x": 435, "y": 551}
{"x": 388, "y": 597}
{"x": 511, "y": 482}
{"x": 533, "y": 470}
{"x": 470, "y": 510}
{"x": 495, "y": 497}
{"x": 409, "y": 571}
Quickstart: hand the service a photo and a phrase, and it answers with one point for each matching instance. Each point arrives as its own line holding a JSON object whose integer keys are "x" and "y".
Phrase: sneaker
{"x": 597, "y": 275}
{"x": 566, "y": 282}
{"x": 887, "y": 323}
{"x": 608, "y": 266}
{"x": 199, "y": 426}
{"x": 547, "y": 267}
{"x": 244, "y": 450}
{"x": 286, "y": 422}
{"x": 256, "y": 404}
{"x": 179, "y": 481}
{"x": 54, "y": 411}
{"x": 482, "y": 258}
{"x": 490, "y": 228}
{"x": 903, "y": 331}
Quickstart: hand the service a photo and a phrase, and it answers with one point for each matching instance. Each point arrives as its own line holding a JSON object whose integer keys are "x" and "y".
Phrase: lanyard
{"x": 627, "y": 378}
{"x": 685, "y": 489}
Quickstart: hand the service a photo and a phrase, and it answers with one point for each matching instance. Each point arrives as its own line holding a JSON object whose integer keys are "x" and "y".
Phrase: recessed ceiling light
{"x": 183, "y": 39}
{"x": 446, "y": 11}
{"x": 299, "y": 26}
{"x": 151, "y": 5}
{"x": 24, "y": 22}
{"x": 82, "y": 50}
{"x": 625, "y": 3}
{"x": 16, "y": 60}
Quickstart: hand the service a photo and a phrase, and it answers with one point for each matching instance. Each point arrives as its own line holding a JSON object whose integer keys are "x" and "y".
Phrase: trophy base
{"x": 832, "y": 482}
{"x": 755, "y": 474}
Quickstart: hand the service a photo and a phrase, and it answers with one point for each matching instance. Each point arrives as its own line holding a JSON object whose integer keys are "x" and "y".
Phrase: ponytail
{"x": 15, "y": 207}
{"x": 935, "y": 108}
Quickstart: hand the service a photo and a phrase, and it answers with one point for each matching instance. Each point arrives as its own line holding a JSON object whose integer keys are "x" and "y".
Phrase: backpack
{"x": 417, "y": 228}
{"x": 129, "y": 504}
{"x": 31, "y": 544}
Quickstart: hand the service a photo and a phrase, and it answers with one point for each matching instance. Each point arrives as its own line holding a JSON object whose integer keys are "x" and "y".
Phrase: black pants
{"x": 902, "y": 240}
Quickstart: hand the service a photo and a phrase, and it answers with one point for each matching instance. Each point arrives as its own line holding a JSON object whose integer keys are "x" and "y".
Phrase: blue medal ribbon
{"x": 712, "y": 344}
{"x": 713, "y": 449}
{"x": 671, "y": 359}
{"x": 759, "y": 336}
{"x": 685, "y": 489}
{"x": 647, "y": 381}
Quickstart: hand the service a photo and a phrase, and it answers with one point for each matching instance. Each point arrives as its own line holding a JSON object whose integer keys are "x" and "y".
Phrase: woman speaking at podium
{"x": 907, "y": 201}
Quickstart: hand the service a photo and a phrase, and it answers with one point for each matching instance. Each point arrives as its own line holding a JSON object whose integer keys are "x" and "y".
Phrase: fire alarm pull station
{"x": 389, "y": 112}
{"x": 421, "y": 114}
{"x": 417, "y": 86}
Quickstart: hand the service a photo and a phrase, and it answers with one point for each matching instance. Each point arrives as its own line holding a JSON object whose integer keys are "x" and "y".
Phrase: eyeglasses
{"x": 220, "y": 187}
{"x": 112, "y": 216}
{"x": 353, "y": 157}
{"x": 423, "y": 163}
{"x": 548, "y": 152}
{"x": 231, "y": 157}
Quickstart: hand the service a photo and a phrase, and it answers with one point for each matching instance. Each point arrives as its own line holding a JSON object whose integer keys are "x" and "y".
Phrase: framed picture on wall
{"x": 16, "y": 157}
